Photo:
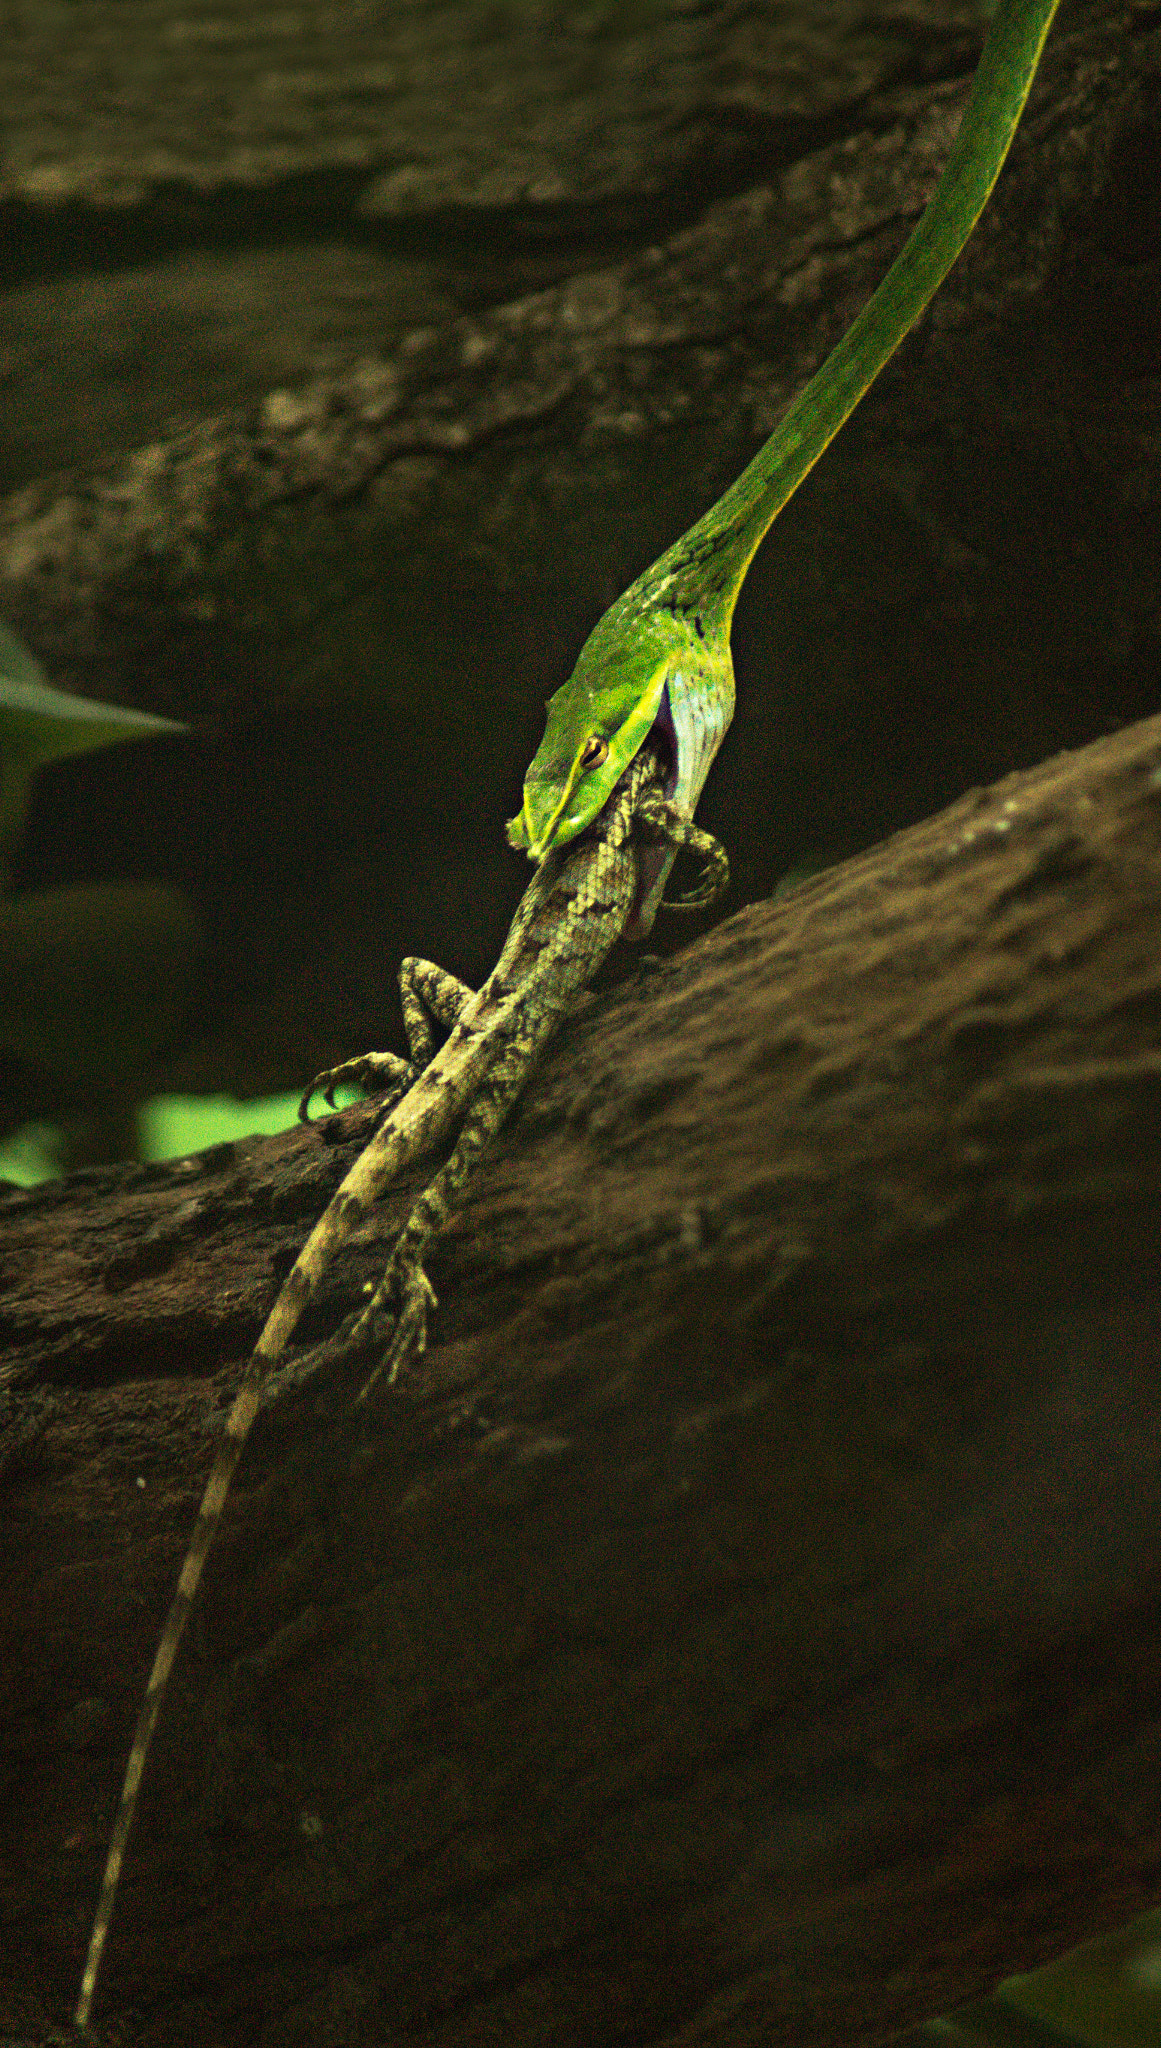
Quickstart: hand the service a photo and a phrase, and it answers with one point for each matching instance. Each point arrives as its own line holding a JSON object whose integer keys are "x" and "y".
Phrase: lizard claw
{"x": 406, "y": 1323}
{"x": 712, "y": 881}
{"x": 373, "y": 1072}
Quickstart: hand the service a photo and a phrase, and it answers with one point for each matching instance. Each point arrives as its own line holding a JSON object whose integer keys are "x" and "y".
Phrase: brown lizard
{"x": 578, "y": 903}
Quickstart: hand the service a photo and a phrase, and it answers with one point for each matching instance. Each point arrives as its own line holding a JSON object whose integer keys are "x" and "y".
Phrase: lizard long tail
{"x": 371, "y": 1172}
{"x": 238, "y": 1426}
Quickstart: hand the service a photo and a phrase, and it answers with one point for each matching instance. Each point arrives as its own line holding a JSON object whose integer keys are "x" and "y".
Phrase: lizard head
{"x": 633, "y": 678}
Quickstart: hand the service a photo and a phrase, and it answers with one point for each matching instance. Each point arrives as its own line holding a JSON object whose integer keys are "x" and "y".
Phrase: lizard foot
{"x": 714, "y": 877}
{"x": 397, "y": 1316}
{"x": 374, "y": 1072}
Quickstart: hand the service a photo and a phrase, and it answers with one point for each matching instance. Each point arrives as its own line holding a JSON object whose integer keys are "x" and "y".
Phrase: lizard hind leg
{"x": 425, "y": 991}
{"x": 395, "y": 1317}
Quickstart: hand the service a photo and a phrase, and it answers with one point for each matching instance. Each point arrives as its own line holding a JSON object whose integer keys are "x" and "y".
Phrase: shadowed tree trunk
{"x": 743, "y": 1624}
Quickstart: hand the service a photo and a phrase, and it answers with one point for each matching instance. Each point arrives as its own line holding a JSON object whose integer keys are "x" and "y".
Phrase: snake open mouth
{"x": 662, "y": 738}
{"x": 650, "y": 861}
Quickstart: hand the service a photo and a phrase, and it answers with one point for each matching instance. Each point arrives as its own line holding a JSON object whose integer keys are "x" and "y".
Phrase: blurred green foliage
{"x": 168, "y": 1127}
{"x": 1105, "y": 1994}
{"x": 94, "y": 978}
{"x": 39, "y": 724}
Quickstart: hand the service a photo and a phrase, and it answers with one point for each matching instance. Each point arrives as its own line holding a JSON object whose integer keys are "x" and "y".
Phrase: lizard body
{"x": 572, "y": 912}
{"x": 603, "y": 815}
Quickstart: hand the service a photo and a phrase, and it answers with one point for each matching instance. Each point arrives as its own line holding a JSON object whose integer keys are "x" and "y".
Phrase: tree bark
{"x": 743, "y": 1623}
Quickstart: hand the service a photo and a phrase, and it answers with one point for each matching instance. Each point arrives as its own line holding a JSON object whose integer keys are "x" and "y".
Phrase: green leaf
{"x": 1105, "y": 1994}
{"x": 39, "y": 724}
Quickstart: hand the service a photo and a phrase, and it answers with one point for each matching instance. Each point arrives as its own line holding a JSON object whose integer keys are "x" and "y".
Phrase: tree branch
{"x": 743, "y": 1623}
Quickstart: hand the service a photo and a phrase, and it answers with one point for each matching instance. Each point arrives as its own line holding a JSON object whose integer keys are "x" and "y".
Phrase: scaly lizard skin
{"x": 576, "y": 906}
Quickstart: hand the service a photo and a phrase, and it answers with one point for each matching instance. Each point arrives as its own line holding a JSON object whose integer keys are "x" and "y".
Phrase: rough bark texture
{"x": 744, "y": 1625}
{"x": 406, "y": 484}
{"x": 335, "y": 171}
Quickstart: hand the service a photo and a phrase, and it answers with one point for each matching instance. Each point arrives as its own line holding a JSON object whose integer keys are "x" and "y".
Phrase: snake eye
{"x": 594, "y": 751}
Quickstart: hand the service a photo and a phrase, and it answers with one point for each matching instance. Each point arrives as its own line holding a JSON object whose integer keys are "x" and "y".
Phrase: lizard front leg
{"x": 425, "y": 991}
{"x": 664, "y": 823}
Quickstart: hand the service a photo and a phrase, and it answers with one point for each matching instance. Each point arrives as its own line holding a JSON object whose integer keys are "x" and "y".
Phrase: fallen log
{"x": 743, "y": 1624}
